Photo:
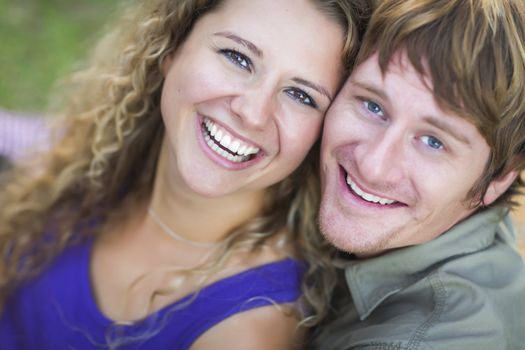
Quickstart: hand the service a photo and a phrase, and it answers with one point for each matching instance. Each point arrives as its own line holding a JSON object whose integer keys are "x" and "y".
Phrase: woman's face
{"x": 245, "y": 95}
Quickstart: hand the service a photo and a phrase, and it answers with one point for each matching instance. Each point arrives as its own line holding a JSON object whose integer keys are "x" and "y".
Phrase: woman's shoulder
{"x": 281, "y": 279}
{"x": 270, "y": 327}
{"x": 251, "y": 300}
{"x": 269, "y": 268}
{"x": 255, "y": 306}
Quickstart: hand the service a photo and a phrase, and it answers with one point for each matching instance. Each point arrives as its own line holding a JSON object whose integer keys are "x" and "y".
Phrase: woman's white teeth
{"x": 213, "y": 130}
{"x": 242, "y": 149}
{"x": 367, "y": 196}
{"x": 239, "y": 150}
{"x": 234, "y": 146}
{"x": 226, "y": 140}
{"x": 218, "y": 136}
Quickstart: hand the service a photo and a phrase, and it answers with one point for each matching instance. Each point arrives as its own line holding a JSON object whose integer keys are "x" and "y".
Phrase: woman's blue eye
{"x": 238, "y": 58}
{"x": 374, "y": 108}
{"x": 432, "y": 142}
{"x": 301, "y": 97}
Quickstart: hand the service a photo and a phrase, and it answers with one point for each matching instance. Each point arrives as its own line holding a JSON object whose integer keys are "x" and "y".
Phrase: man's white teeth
{"x": 367, "y": 196}
{"x": 239, "y": 150}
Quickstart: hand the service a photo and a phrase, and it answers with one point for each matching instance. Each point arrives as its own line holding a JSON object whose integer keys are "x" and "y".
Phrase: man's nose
{"x": 380, "y": 160}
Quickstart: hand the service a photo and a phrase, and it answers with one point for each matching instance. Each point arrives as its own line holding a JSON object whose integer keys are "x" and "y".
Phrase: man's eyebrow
{"x": 246, "y": 43}
{"x": 314, "y": 86}
{"x": 432, "y": 120}
{"x": 371, "y": 89}
{"x": 447, "y": 128}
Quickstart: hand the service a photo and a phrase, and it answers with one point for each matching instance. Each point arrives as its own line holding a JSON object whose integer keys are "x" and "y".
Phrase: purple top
{"x": 57, "y": 310}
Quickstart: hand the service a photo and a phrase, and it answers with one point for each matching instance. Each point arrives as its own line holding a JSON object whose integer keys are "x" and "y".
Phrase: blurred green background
{"x": 43, "y": 40}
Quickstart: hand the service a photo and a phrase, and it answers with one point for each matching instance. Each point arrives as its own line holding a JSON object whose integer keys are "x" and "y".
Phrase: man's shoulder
{"x": 469, "y": 302}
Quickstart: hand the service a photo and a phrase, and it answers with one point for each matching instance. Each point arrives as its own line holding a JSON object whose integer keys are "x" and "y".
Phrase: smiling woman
{"x": 177, "y": 206}
{"x": 249, "y": 84}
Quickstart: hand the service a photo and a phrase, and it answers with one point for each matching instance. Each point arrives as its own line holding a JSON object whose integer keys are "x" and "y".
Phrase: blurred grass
{"x": 41, "y": 41}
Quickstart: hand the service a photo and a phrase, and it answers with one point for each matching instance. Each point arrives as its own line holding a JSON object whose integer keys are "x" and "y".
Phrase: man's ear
{"x": 498, "y": 186}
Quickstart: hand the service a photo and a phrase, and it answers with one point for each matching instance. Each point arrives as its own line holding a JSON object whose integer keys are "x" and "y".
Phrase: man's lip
{"x": 344, "y": 173}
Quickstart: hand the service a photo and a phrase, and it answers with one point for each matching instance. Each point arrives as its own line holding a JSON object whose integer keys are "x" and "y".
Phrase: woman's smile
{"x": 227, "y": 145}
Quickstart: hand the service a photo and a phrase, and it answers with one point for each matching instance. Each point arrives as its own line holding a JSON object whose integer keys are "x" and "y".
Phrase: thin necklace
{"x": 174, "y": 235}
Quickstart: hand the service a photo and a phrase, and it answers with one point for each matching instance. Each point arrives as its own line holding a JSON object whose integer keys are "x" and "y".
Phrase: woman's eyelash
{"x": 302, "y": 97}
{"x": 237, "y": 58}
{"x": 244, "y": 62}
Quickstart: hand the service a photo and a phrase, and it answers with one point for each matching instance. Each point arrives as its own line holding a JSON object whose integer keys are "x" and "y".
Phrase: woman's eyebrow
{"x": 258, "y": 52}
{"x": 244, "y": 42}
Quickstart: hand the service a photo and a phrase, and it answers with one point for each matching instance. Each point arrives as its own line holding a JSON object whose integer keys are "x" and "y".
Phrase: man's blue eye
{"x": 374, "y": 108}
{"x": 238, "y": 59}
{"x": 301, "y": 97}
{"x": 432, "y": 142}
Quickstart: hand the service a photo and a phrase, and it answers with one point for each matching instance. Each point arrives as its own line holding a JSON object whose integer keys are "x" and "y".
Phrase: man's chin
{"x": 345, "y": 235}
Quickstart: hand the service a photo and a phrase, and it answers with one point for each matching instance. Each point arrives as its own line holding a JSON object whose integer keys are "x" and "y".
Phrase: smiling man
{"x": 421, "y": 156}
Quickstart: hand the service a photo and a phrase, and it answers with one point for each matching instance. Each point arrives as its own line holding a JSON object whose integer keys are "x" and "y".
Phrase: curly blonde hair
{"x": 108, "y": 143}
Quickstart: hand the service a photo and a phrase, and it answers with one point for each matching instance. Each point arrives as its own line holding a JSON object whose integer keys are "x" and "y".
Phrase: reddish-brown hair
{"x": 474, "y": 53}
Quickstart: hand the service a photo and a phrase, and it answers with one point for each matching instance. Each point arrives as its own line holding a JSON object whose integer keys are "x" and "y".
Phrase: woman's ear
{"x": 498, "y": 186}
{"x": 166, "y": 64}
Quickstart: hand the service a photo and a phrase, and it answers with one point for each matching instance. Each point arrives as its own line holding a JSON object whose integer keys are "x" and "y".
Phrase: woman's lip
{"x": 218, "y": 159}
{"x": 218, "y": 137}
{"x": 233, "y": 133}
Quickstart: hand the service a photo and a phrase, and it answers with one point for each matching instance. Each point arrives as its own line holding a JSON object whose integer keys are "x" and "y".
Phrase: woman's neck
{"x": 195, "y": 217}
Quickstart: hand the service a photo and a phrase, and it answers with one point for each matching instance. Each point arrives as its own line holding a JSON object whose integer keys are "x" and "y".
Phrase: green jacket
{"x": 463, "y": 290}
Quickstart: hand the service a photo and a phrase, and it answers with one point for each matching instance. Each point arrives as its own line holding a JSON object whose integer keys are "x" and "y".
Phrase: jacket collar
{"x": 372, "y": 280}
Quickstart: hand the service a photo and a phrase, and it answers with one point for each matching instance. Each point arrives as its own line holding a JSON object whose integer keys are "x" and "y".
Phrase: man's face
{"x": 396, "y": 168}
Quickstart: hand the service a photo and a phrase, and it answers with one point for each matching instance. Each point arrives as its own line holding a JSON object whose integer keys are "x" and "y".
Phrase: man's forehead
{"x": 399, "y": 63}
